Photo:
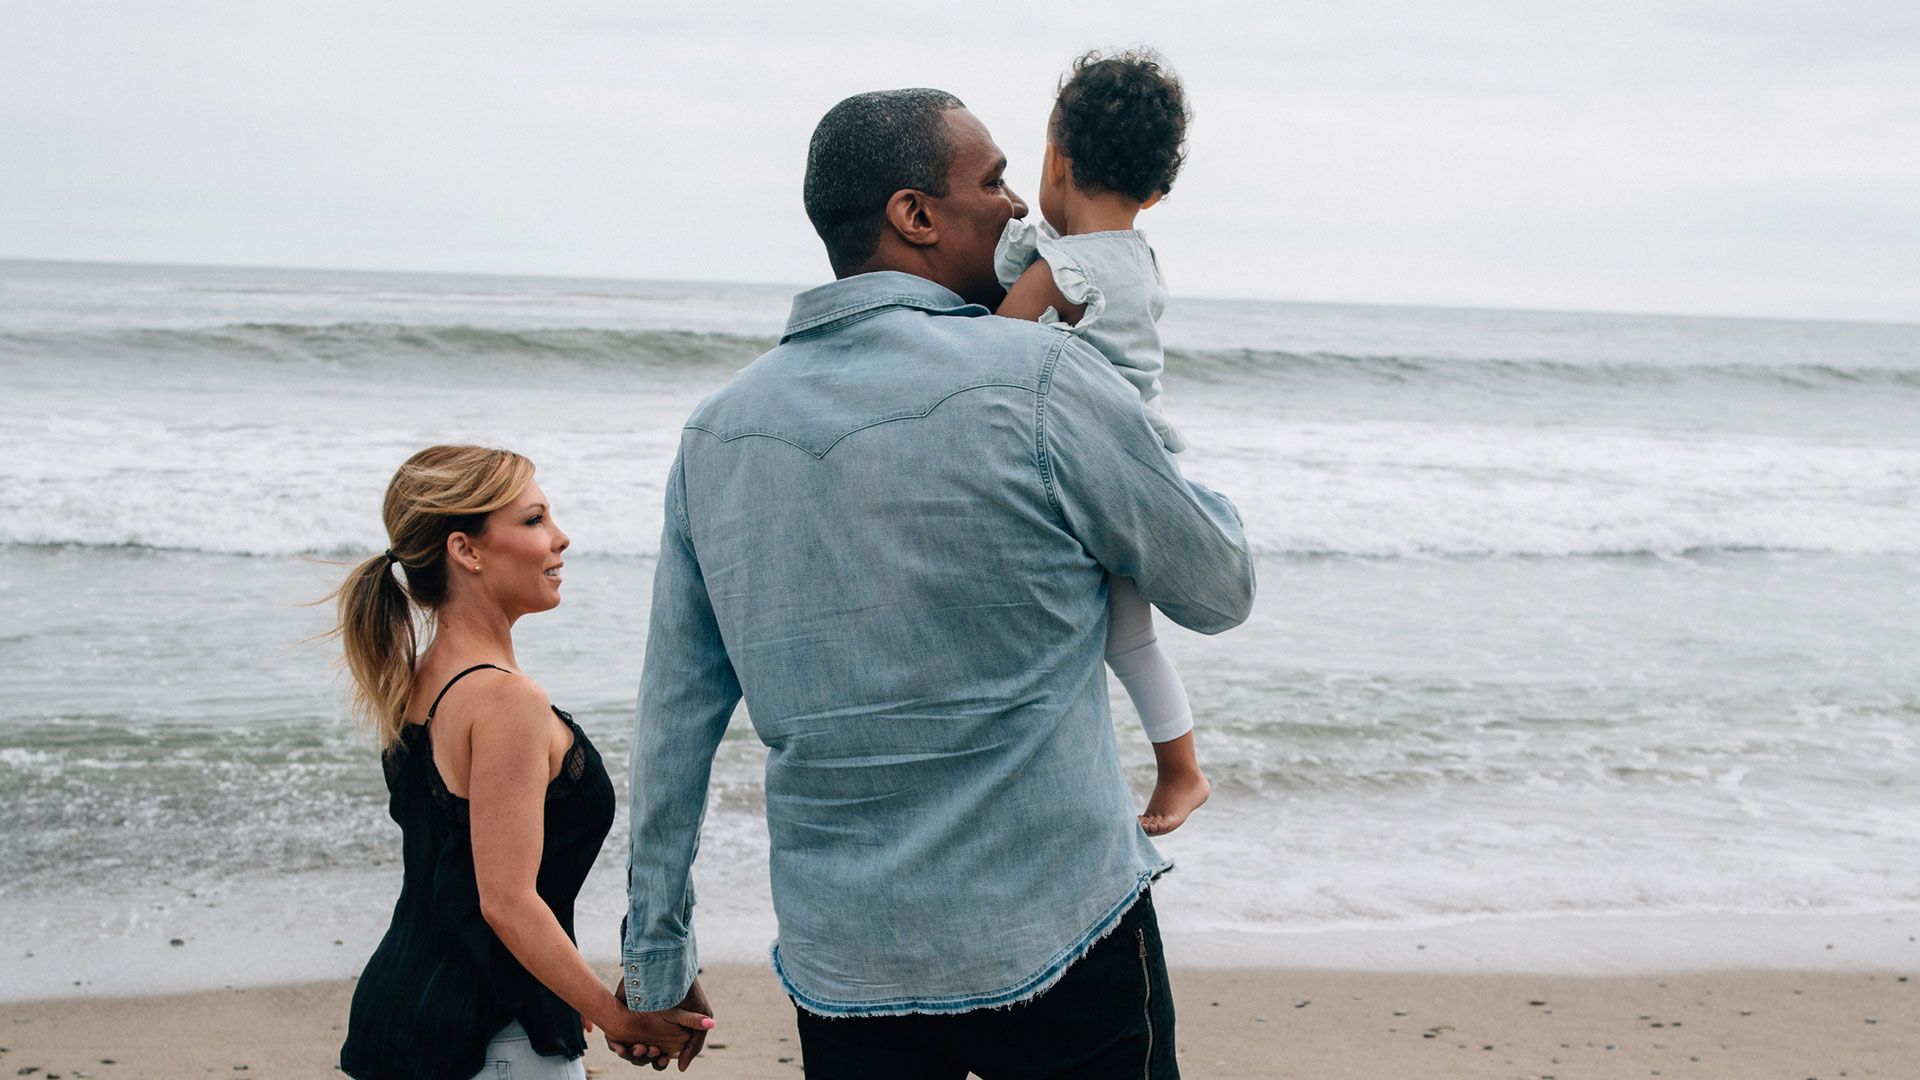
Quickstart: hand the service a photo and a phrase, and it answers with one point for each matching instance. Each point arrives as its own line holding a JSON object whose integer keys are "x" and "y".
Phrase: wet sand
{"x": 1232, "y": 1023}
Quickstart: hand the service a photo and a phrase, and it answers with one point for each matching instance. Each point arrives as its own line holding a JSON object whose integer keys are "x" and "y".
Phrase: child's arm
{"x": 1034, "y": 293}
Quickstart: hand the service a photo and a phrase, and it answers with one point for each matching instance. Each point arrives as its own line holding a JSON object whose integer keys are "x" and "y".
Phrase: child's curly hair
{"x": 1122, "y": 119}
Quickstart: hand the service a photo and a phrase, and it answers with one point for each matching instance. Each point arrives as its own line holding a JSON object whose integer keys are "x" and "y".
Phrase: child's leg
{"x": 1133, "y": 652}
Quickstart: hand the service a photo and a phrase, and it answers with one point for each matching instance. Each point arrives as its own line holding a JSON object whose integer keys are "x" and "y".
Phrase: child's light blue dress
{"x": 1117, "y": 277}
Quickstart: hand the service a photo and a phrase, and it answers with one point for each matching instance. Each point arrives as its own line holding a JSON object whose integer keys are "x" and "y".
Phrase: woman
{"x": 501, "y": 799}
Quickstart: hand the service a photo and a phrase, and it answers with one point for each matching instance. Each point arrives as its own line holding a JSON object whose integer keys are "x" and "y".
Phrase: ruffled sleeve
{"x": 1021, "y": 242}
{"x": 1015, "y": 252}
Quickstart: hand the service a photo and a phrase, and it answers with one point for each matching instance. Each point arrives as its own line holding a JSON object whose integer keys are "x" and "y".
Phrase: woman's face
{"x": 519, "y": 554}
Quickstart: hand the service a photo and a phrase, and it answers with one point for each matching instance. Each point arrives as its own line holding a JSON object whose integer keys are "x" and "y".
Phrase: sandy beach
{"x": 1233, "y": 1023}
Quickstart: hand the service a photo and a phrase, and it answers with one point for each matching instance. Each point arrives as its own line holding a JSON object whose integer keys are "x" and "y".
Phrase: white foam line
{"x": 1577, "y": 945}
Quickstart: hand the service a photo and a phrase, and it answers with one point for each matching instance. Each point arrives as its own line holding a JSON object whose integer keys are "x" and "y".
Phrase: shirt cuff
{"x": 659, "y": 979}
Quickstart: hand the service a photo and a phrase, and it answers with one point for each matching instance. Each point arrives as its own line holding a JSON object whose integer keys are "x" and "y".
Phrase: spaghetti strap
{"x": 449, "y": 686}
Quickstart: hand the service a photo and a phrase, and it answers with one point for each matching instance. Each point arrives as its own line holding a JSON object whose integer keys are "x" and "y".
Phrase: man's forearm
{"x": 1213, "y": 585}
{"x": 680, "y": 722}
{"x": 1122, "y": 494}
{"x": 688, "y": 691}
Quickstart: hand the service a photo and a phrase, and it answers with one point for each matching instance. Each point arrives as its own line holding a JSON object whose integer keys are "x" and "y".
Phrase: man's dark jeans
{"x": 1110, "y": 1017}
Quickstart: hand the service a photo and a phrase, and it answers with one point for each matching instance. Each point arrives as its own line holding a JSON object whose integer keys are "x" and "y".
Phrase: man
{"x": 892, "y": 534}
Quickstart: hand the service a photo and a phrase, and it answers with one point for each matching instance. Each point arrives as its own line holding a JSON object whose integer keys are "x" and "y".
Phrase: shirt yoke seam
{"x": 916, "y": 415}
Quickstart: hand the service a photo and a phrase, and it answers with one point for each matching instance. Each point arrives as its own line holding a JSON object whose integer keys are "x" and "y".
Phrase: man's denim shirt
{"x": 892, "y": 534}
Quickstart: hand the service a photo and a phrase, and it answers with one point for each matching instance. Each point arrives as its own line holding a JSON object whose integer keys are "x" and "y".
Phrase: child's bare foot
{"x": 1175, "y": 795}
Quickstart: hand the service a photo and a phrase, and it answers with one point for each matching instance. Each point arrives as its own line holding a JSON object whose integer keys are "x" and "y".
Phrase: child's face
{"x": 1056, "y": 172}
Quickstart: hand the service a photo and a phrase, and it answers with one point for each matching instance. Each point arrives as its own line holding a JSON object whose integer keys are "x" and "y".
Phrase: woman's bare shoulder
{"x": 491, "y": 694}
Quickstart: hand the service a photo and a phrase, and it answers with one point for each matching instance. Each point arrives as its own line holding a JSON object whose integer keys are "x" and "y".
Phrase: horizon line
{"x": 550, "y": 276}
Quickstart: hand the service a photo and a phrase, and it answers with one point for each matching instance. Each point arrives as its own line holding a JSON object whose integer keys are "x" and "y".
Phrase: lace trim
{"x": 416, "y": 739}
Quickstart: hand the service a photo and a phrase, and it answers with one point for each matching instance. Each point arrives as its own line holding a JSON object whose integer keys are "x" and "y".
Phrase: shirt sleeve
{"x": 1121, "y": 493}
{"x": 688, "y": 691}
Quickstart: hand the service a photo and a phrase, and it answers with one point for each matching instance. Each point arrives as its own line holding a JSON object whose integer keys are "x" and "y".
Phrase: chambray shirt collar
{"x": 864, "y": 294}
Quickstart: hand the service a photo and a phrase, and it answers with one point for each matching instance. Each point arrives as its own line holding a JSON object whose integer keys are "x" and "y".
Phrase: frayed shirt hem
{"x": 1024, "y": 991}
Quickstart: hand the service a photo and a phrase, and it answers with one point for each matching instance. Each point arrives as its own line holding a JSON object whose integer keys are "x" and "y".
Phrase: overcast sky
{"x": 1756, "y": 158}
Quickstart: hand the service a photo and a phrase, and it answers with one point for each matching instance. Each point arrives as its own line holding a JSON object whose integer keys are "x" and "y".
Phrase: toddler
{"x": 1115, "y": 141}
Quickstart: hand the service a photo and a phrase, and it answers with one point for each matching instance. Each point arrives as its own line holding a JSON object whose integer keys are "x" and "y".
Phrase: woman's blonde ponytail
{"x": 439, "y": 491}
{"x": 377, "y": 634}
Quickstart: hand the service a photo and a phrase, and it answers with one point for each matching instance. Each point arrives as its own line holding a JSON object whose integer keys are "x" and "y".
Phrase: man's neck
{"x": 902, "y": 262}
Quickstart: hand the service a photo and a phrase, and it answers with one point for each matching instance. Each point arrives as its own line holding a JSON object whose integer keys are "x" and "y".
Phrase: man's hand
{"x": 695, "y": 1002}
{"x": 657, "y": 1038}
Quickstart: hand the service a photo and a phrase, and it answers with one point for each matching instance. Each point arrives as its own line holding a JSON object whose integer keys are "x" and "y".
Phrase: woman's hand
{"x": 664, "y": 1036}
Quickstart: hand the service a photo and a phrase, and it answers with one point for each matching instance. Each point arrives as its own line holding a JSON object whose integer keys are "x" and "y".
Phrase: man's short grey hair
{"x": 865, "y": 149}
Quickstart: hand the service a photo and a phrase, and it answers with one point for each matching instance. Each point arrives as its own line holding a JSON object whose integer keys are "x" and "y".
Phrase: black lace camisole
{"x": 441, "y": 984}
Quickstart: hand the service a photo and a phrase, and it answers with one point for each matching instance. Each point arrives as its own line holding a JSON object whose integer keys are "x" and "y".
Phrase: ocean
{"x": 1571, "y": 616}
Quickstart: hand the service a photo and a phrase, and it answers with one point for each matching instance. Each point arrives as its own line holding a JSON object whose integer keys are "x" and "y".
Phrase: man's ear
{"x": 1154, "y": 199}
{"x": 910, "y": 213}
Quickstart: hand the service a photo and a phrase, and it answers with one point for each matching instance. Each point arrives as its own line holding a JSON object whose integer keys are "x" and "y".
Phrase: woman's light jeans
{"x": 510, "y": 1057}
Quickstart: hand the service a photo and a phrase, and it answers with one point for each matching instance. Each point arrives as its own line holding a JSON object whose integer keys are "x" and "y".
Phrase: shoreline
{"x": 265, "y": 937}
{"x": 1233, "y": 1022}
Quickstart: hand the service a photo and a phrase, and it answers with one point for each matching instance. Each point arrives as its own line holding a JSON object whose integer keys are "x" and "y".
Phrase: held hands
{"x": 657, "y": 1038}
